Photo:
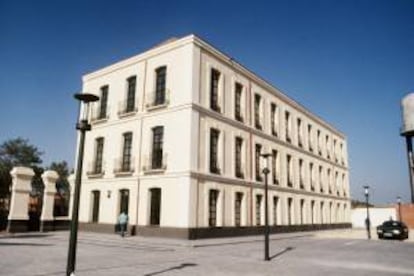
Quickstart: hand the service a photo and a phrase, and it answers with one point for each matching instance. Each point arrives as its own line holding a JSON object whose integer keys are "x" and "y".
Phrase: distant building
{"x": 176, "y": 139}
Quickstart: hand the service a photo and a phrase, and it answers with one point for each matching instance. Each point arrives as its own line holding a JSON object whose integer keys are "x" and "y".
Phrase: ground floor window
{"x": 124, "y": 201}
{"x": 155, "y": 212}
{"x": 275, "y": 203}
{"x": 258, "y": 209}
{"x": 212, "y": 209}
{"x": 302, "y": 211}
{"x": 290, "y": 211}
{"x": 237, "y": 209}
{"x": 95, "y": 205}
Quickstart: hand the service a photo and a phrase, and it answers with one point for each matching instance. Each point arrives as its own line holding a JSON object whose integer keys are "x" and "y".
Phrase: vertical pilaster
{"x": 46, "y": 219}
{"x": 21, "y": 187}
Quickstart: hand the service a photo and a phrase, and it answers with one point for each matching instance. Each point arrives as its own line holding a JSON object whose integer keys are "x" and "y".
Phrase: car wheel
{"x": 380, "y": 237}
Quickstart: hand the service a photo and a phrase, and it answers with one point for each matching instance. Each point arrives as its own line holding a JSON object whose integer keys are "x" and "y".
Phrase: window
{"x": 335, "y": 151}
{"x": 321, "y": 179}
{"x": 275, "y": 167}
{"x": 258, "y": 209}
{"x": 322, "y": 213}
{"x": 328, "y": 147}
{"x": 104, "y": 102}
{"x": 299, "y": 125}
{"x": 155, "y": 209}
{"x": 214, "y": 90}
{"x": 99, "y": 142}
{"x": 312, "y": 211}
{"x": 237, "y": 209}
{"x": 212, "y": 210}
{"x": 342, "y": 154}
{"x": 238, "y": 156}
{"x": 124, "y": 201}
{"x": 157, "y": 147}
{"x": 257, "y": 115}
{"x": 257, "y": 163}
{"x": 302, "y": 211}
{"x": 337, "y": 184}
{"x": 289, "y": 170}
{"x": 343, "y": 184}
{"x": 160, "y": 85}
{"x": 214, "y": 139}
{"x": 275, "y": 207}
{"x": 237, "y": 102}
{"x": 95, "y": 205}
{"x": 329, "y": 181}
{"x": 290, "y": 211}
{"x": 287, "y": 127}
{"x": 318, "y": 138}
{"x": 130, "y": 103}
{"x": 310, "y": 138}
{"x": 312, "y": 179}
{"x": 127, "y": 152}
{"x": 301, "y": 174}
{"x": 273, "y": 119}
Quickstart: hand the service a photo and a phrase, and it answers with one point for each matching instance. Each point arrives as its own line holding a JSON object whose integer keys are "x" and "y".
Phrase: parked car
{"x": 392, "y": 229}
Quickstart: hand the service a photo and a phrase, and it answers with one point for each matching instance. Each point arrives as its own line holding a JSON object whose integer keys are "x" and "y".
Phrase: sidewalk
{"x": 354, "y": 233}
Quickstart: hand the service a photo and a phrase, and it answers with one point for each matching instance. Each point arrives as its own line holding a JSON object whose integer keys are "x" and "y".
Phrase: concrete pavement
{"x": 306, "y": 253}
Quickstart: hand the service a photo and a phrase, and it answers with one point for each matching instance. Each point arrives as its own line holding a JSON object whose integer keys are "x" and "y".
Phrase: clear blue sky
{"x": 350, "y": 62}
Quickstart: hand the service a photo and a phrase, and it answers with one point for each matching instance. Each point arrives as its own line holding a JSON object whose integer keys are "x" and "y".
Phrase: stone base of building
{"x": 17, "y": 226}
{"x": 208, "y": 232}
{"x": 105, "y": 228}
{"x": 54, "y": 225}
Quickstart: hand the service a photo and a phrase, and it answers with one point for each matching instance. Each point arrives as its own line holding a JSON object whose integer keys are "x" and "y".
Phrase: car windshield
{"x": 392, "y": 223}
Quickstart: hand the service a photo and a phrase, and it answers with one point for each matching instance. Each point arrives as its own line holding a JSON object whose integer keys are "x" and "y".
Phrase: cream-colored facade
{"x": 317, "y": 170}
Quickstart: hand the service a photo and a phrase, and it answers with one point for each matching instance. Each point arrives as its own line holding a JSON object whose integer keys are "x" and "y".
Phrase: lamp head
{"x": 85, "y": 100}
{"x": 366, "y": 190}
{"x": 398, "y": 199}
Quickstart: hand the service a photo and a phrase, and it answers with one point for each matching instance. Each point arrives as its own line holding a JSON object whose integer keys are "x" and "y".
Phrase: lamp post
{"x": 82, "y": 125}
{"x": 267, "y": 230}
{"x": 399, "y": 208}
{"x": 367, "y": 220}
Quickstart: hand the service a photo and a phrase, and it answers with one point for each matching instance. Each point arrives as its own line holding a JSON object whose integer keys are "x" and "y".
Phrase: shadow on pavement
{"x": 281, "y": 252}
{"x": 23, "y": 244}
{"x": 24, "y": 236}
{"x": 181, "y": 266}
{"x": 251, "y": 241}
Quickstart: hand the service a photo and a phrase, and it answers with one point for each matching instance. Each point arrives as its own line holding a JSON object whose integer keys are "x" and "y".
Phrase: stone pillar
{"x": 21, "y": 187}
{"x": 46, "y": 219}
{"x": 71, "y": 180}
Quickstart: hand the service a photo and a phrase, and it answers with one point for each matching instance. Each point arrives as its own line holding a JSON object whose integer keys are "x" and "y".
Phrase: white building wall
{"x": 377, "y": 216}
{"x": 187, "y": 120}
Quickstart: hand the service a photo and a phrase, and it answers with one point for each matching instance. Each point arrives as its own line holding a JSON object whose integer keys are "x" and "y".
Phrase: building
{"x": 176, "y": 141}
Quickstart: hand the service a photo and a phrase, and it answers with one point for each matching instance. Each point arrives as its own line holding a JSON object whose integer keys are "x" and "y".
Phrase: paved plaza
{"x": 340, "y": 252}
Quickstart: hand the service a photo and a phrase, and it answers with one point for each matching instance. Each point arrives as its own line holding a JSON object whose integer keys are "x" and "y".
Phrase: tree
{"x": 17, "y": 152}
{"x": 62, "y": 187}
{"x": 62, "y": 168}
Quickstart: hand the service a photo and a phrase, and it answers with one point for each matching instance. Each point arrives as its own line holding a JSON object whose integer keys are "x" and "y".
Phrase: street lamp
{"x": 399, "y": 208}
{"x": 367, "y": 220}
{"x": 266, "y": 232}
{"x": 82, "y": 125}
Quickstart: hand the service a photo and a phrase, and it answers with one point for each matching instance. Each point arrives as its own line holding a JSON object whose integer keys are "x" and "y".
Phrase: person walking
{"x": 123, "y": 221}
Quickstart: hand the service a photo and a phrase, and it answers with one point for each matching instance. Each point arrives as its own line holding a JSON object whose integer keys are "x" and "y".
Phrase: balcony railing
{"x": 154, "y": 102}
{"x": 98, "y": 115}
{"x": 126, "y": 109}
{"x": 95, "y": 170}
{"x": 155, "y": 163}
{"x": 124, "y": 166}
